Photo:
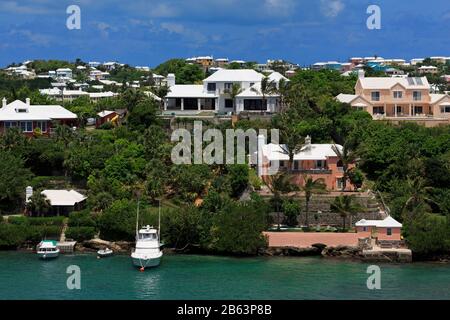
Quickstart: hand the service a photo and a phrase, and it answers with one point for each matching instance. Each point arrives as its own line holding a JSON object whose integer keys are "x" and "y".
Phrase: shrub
{"x": 80, "y": 233}
{"x": 118, "y": 221}
{"x": 37, "y": 233}
{"x": 82, "y": 219}
{"x": 11, "y": 236}
{"x": 19, "y": 221}
{"x": 46, "y": 221}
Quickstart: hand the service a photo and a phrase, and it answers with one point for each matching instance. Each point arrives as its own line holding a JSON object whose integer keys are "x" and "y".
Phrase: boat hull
{"x": 146, "y": 262}
{"x": 48, "y": 255}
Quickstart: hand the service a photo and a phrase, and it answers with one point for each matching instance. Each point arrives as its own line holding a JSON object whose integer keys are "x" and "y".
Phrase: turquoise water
{"x": 24, "y": 276}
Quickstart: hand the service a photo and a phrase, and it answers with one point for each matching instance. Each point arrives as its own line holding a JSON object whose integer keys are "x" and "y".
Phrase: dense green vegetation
{"x": 185, "y": 73}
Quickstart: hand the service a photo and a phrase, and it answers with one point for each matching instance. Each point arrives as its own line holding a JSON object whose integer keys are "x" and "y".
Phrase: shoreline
{"x": 339, "y": 253}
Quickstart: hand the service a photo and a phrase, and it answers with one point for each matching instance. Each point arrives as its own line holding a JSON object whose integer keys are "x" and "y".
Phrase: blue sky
{"x": 147, "y": 32}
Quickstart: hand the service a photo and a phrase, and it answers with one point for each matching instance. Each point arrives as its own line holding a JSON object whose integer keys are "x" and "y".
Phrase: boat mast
{"x": 159, "y": 220}
{"x": 137, "y": 220}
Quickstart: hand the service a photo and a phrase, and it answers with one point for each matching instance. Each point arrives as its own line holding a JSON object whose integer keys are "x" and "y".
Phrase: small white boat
{"x": 148, "y": 249}
{"x": 103, "y": 253}
{"x": 47, "y": 249}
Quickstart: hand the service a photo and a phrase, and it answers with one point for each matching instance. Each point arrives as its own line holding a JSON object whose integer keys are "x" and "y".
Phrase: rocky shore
{"x": 342, "y": 252}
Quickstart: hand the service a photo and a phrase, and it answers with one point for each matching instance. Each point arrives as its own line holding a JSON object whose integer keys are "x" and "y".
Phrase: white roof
{"x": 346, "y": 98}
{"x": 316, "y": 152}
{"x": 63, "y": 197}
{"x": 388, "y": 83}
{"x": 34, "y": 112}
{"x": 152, "y": 95}
{"x": 427, "y": 67}
{"x": 63, "y": 70}
{"x": 107, "y": 94}
{"x": 226, "y": 75}
{"x": 105, "y": 113}
{"x": 188, "y": 91}
{"x": 389, "y": 222}
{"x": 276, "y": 76}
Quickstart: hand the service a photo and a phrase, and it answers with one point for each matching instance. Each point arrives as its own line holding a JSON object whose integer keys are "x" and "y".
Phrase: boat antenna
{"x": 159, "y": 220}
{"x": 137, "y": 219}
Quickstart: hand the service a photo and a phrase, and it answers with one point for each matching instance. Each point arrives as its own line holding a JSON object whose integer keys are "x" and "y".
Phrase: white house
{"x": 64, "y": 73}
{"x": 30, "y": 117}
{"x": 213, "y": 95}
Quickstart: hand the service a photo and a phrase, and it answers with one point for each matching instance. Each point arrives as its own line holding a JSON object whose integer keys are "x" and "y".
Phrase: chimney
{"x": 170, "y": 80}
{"x": 308, "y": 143}
{"x": 27, "y": 101}
{"x": 28, "y": 193}
{"x": 4, "y": 102}
{"x": 361, "y": 73}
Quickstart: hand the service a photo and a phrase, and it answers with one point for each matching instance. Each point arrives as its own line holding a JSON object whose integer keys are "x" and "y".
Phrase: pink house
{"x": 388, "y": 229}
{"x": 313, "y": 160}
{"x": 399, "y": 99}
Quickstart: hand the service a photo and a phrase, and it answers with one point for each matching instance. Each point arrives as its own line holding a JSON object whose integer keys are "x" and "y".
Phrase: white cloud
{"x": 331, "y": 8}
{"x": 35, "y": 38}
{"x": 105, "y": 28}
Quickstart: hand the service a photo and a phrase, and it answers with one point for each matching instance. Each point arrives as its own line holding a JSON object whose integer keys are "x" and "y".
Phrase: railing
{"x": 313, "y": 171}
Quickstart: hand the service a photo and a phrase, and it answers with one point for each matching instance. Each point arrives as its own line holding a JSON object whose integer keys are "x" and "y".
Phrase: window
{"x": 10, "y": 124}
{"x": 228, "y": 87}
{"x": 399, "y": 109}
{"x": 22, "y": 110}
{"x": 255, "y": 105}
{"x": 282, "y": 164}
{"x": 418, "y": 109}
{"x": 228, "y": 103}
{"x": 42, "y": 125}
{"x": 417, "y": 95}
{"x": 211, "y": 87}
{"x": 445, "y": 109}
{"x": 389, "y": 231}
{"x": 296, "y": 165}
{"x": 26, "y": 126}
{"x": 364, "y": 229}
{"x": 339, "y": 183}
{"x": 320, "y": 164}
{"x": 398, "y": 94}
{"x": 375, "y": 95}
{"x": 378, "y": 110}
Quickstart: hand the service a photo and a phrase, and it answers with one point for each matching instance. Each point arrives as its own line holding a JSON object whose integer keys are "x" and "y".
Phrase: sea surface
{"x": 24, "y": 276}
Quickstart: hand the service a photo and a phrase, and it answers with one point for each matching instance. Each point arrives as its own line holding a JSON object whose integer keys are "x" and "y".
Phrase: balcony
{"x": 313, "y": 171}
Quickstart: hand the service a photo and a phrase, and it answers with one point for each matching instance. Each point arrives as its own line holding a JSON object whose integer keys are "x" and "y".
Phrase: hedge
{"x": 39, "y": 221}
{"x": 80, "y": 233}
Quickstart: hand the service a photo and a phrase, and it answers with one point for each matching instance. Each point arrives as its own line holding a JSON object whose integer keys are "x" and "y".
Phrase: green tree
{"x": 346, "y": 158}
{"x": 233, "y": 93}
{"x": 346, "y": 207}
{"x": 38, "y": 204}
{"x": 311, "y": 186}
{"x": 267, "y": 88}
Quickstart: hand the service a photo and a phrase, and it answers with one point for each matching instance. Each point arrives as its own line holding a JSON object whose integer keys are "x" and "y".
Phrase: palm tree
{"x": 417, "y": 194}
{"x": 346, "y": 158}
{"x": 234, "y": 91}
{"x": 38, "y": 204}
{"x": 283, "y": 92}
{"x": 63, "y": 133}
{"x": 346, "y": 207}
{"x": 279, "y": 184}
{"x": 292, "y": 144}
{"x": 311, "y": 187}
{"x": 267, "y": 88}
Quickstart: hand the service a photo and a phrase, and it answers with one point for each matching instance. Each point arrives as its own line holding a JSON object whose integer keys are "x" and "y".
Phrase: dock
{"x": 66, "y": 246}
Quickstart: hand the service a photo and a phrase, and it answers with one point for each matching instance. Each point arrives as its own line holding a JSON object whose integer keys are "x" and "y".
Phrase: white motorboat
{"x": 148, "y": 248}
{"x": 103, "y": 253}
{"x": 47, "y": 249}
